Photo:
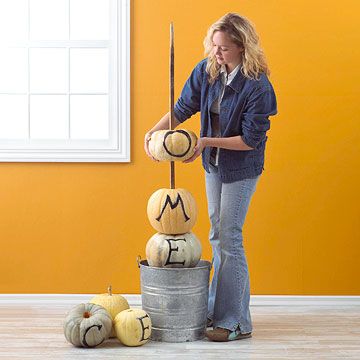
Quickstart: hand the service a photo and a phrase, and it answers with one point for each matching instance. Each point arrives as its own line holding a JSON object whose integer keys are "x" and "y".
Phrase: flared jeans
{"x": 229, "y": 292}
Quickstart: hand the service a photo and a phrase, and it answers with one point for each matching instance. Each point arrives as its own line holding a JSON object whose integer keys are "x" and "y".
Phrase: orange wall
{"x": 74, "y": 228}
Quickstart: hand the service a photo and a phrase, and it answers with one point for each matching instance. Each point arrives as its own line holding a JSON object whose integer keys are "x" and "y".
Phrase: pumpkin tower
{"x": 174, "y": 281}
{"x": 172, "y": 212}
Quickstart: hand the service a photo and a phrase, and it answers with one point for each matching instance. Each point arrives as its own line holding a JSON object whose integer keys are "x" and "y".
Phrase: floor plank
{"x": 280, "y": 332}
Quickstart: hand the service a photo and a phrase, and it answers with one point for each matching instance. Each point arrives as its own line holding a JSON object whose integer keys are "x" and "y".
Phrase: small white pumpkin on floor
{"x": 133, "y": 327}
{"x": 113, "y": 303}
{"x": 87, "y": 325}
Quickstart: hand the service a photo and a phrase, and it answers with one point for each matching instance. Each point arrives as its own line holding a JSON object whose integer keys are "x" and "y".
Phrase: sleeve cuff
{"x": 178, "y": 115}
{"x": 252, "y": 142}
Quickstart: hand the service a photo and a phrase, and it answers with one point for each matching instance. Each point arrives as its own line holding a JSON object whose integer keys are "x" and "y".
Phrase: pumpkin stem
{"x": 109, "y": 290}
{"x": 86, "y": 314}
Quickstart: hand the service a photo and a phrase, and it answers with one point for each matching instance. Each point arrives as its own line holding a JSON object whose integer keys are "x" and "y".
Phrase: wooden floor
{"x": 280, "y": 332}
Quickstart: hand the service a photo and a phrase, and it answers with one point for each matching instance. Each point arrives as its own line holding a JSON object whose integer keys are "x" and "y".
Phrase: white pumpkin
{"x": 113, "y": 303}
{"x": 172, "y": 251}
{"x": 87, "y": 325}
{"x": 172, "y": 145}
{"x": 133, "y": 327}
{"x": 172, "y": 211}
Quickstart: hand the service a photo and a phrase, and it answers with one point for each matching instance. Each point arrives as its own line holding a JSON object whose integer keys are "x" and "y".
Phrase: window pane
{"x": 13, "y": 20}
{"x": 89, "y": 70}
{"x": 49, "y": 20}
{"x": 89, "y": 24}
{"x": 49, "y": 117}
{"x": 48, "y": 70}
{"x": 13, "y": 70}
{"x": 89, "y": 116}
{"x": 13, "y": 116}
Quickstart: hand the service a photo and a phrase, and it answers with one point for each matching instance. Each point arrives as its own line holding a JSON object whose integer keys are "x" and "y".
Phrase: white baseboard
{"x": 304, "y": 300}
{"x": 135, "y": 299}
{"x": 59, "y": 299}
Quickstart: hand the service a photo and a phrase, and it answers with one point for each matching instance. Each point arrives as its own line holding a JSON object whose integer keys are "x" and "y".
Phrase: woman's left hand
{"x": 198, "y": 149}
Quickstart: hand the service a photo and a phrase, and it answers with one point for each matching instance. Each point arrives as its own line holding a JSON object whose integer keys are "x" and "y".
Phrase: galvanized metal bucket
{"x": 176, "y": 300}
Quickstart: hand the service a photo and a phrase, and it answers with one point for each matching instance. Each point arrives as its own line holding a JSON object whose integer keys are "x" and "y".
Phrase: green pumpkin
{"x": 173, "y": 251}
{"x": 87, "y": 325}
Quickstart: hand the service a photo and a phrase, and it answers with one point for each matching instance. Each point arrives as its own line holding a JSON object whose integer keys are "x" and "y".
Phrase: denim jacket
{"x": 244, "y": 110}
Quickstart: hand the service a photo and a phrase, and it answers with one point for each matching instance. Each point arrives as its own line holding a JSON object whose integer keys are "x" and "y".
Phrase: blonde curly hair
{"x": 242, "y": 33}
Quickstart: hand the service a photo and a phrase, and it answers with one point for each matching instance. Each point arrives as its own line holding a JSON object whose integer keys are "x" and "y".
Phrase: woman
{"x": 233, "y": 93}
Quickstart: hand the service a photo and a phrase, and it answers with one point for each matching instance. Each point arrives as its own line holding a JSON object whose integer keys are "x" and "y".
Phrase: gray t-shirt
{"x": 215, "y": 107}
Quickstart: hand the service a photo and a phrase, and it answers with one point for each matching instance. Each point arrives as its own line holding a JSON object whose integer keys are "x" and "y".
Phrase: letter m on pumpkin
{"x": 174, "y": 205}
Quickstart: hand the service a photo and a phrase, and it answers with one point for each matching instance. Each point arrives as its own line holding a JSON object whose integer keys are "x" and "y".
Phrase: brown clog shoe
{"x": 223, "y": 335}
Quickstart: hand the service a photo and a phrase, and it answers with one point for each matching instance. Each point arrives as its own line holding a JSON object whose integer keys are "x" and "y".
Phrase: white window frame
{"x": 117, "y": 148}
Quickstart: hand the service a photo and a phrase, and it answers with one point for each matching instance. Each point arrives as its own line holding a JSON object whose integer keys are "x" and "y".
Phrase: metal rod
{"x": 171, "y": 119}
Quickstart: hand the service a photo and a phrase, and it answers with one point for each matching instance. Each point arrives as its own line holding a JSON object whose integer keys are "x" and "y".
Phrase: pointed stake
{"x": 171, "y": 120}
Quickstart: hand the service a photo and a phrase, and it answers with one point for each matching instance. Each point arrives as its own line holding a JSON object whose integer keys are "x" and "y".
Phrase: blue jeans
{"x": 229, "y": 293}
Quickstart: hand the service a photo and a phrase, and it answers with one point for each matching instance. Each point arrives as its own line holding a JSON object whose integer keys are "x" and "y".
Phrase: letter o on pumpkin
{"x": 172, "y": 145}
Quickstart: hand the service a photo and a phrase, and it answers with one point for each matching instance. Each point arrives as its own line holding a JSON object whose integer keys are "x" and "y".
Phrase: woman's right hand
{"x": 146, "y": 145}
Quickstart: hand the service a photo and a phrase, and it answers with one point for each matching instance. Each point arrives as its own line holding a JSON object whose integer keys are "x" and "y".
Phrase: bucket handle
{"x": 138, "y": 259}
